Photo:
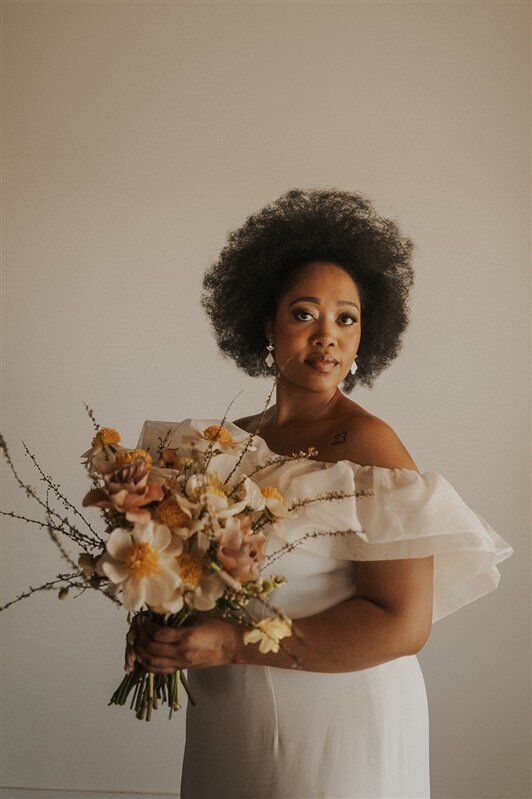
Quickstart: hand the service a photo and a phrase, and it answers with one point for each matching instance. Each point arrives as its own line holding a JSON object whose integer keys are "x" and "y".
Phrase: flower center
{"x": 218, "y": 434}
{"x": 123, "y": 458}
{"x": 269, "y": 492}
{"x": 207, "y": 483}
{"x": 170, "y": 514}
{"x": 141, "y": 560}
{"x": 190, "y": 569}
{"x": 107, "y": 435}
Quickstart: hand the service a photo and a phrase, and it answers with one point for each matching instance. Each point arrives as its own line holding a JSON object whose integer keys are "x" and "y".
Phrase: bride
{"x": 314, "y": 289}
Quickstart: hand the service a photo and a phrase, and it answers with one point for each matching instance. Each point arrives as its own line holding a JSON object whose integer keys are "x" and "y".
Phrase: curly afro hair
{"x": 261, "y": 258}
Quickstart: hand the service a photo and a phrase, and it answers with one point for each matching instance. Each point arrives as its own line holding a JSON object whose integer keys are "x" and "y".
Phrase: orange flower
{"x": 171, "y": 514}
{"x": 107, "y": 435}
{"x": 127, "y": 456}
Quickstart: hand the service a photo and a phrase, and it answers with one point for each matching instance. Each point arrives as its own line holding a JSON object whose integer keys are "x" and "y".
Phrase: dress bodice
{"x": 387, "y": 514}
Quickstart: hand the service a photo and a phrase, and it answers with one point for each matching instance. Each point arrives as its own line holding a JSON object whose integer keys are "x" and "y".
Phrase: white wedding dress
{"x": 272, "y": 733}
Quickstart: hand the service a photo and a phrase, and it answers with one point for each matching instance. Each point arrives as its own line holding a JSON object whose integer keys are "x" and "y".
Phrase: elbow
{"x": 419, "y": 638}
{"x": 411, "y": 638}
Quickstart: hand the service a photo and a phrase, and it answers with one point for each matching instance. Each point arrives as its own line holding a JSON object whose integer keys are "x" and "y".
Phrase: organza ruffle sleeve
{"x": 411, "y": 515}
{"x": 386, "y": 514}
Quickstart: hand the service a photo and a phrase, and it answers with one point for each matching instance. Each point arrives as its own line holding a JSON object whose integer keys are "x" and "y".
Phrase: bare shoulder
{"x": 371, "y": 441}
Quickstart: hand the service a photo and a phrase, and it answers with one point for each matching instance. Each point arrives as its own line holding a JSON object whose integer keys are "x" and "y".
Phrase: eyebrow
{"x": 318, "y": 301}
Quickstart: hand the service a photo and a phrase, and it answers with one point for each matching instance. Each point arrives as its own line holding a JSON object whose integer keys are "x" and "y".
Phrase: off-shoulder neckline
{"x": 326, "y": 463}
{"x": 278, "y": 455}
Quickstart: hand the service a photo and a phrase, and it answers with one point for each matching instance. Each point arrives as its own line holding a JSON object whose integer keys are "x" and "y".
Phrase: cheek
{"x": 287, "y": 333}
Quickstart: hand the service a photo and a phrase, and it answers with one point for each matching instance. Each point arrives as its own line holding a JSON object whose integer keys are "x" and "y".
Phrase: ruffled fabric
{"x": 399, "y": 513}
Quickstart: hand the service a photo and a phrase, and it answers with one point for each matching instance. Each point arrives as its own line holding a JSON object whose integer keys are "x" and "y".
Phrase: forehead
{"x": 322, "y": 277}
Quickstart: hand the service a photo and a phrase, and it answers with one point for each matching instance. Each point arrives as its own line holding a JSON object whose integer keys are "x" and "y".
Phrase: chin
{"x": 315, "y": 383}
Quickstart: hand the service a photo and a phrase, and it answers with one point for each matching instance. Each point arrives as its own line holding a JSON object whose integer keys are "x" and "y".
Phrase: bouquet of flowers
{"x": 178, "y": 541}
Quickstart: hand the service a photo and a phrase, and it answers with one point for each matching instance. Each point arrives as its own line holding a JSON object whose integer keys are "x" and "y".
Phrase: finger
{"x": 157, "y": 663}
{"x": 150, "y": 631}
{"x": 156, "y": 648}
{"x": 157, "y": 632}
{"x": 130, "y": 659}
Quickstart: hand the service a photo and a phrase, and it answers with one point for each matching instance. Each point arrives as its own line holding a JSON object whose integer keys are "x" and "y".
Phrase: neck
{"x": 296, "y": 404}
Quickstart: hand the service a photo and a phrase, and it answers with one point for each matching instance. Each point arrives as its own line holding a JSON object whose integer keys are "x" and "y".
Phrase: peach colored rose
{"x": 128, "y": 490}
{"x": 241, "y": 551}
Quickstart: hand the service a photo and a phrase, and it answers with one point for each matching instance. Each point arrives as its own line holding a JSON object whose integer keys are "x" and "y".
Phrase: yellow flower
{"x": 268, "y": 632}
{"x": 171, "y": 514}
{"x": 190, "y": 568}
{"x": 122, "y": 458}
{"x": 218, "y": 437}
{"x": 219, "y": 434}
{"x": 100, "y": 458}
{"x": 107, "y": 435}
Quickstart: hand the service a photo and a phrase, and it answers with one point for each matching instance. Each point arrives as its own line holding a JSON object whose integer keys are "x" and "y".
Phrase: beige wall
{"x": 136, "y": 135}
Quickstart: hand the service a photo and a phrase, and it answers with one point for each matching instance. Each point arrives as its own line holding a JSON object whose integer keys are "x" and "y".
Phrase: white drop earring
{"x": 269, "y": 358}
{"x": 354, "y": 367}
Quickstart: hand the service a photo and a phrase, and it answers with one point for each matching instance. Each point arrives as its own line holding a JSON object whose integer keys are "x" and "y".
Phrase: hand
{"x": 202, "y": 642}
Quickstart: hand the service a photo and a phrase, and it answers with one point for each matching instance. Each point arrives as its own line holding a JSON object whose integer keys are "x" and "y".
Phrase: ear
{"x": 268, "y": 327}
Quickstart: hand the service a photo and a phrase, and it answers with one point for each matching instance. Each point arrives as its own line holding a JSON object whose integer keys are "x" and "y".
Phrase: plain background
{"x": 136, "y": 135}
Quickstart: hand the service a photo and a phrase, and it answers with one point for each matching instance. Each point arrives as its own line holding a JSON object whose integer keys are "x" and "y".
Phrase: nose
{"x": 324, "y": 337}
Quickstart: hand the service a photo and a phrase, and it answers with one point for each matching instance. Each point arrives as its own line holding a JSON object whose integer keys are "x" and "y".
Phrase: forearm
{"x": 354, "y": 635}
{"x": 357, "y": 634}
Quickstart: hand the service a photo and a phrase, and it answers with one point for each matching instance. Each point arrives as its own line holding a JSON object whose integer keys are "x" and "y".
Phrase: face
{"x": 317, "y": 327}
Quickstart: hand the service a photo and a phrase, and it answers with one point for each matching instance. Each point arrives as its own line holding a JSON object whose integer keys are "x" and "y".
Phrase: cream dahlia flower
{"x": 142, "y": 562}
{"x": 250, "y": 493}
{"x": 207, "y": 592}
{"x": 206, "y": 491}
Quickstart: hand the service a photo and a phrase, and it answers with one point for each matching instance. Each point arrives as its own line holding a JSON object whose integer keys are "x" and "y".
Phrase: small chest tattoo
{"x": 339, "y": 438}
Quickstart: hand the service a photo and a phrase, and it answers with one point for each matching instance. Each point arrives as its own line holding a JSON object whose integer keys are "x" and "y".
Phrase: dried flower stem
{"x": 64, "y": 554}
{"x": 63, "y": 525}
{"x": 302, "y": 503}
{"x": 210, "y": 449}
{"x": 162, "y": 442}
{"x": 275, "y": 460}
{"x": 249, "y": 440}
{"x": 52, "y": 585}
{"x": 82, "y": 540}
{"x": 91, "y": 416}
{"x": 56, "y": 489}
{"x": 289, "y": 547}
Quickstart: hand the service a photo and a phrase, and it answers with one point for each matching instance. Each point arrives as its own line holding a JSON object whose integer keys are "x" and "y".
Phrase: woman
{"x": 314, "y": 288}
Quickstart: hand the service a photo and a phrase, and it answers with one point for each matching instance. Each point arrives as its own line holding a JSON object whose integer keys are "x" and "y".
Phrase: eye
{"x": 299, "y": 314}
{"x": 348, "y": 320}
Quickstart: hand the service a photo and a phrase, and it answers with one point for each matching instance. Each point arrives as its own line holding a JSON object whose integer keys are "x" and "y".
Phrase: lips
{"x": 321, "y": 363}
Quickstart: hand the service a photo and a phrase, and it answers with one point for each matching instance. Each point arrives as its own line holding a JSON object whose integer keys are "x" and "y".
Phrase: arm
{"x": 361, "y": 632}
{"x": 389, "y": 617}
